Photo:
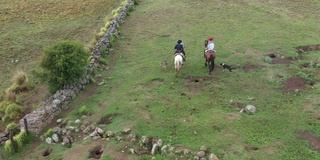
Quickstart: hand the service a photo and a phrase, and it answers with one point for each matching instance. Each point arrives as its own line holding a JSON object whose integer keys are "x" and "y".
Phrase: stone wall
{"x": 59, "y": 101}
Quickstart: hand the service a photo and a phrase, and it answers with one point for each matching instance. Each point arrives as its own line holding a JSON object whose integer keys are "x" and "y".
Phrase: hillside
{"x": 135, "y": 99}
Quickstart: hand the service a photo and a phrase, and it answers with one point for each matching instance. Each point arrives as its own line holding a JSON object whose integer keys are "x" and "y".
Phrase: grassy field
{"x": 29, "y": 26}
{"x": 196, "y": 109}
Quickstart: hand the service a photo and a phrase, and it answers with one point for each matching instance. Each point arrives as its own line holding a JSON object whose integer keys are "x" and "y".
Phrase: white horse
{"x": 178, "y": 60}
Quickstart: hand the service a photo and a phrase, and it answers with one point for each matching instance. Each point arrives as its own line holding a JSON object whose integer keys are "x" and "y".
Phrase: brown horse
{"x": 210, "y": 56}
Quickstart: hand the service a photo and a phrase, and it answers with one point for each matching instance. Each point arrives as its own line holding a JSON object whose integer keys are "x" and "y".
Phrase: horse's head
{"x": 205, "y": 43}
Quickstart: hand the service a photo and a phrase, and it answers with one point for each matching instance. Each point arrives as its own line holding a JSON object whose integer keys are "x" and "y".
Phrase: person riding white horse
{"x": 179, "y": 48}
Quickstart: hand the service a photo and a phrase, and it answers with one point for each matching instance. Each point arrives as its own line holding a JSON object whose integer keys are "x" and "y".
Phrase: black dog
{"x": 225, "y": 66}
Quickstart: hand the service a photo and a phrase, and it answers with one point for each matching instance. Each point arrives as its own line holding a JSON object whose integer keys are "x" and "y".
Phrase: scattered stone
{"x": 132, "y": 151}
{"x": 155, "y": 149}
{"x": 78, "y": 121}
{"x": 213, "y": 157}
{"x": 49, "y": 140}
{"x": 201, "y": 154}
{"x": 164, "y": 149}
{"x": 132, "y": 137}
{"x": 119, "y": 138}
{"x": 250, "y": 109}
{"x": 55, "y": 138}
{"x": 99, "y": 131}
{"x": 144, "y": 141}
{"x": 109, "y": 133}
{"x": 126, "y": 131}
{"x": 59, "y": 120}
{"x": 203, "y": 148}
{"x": 160, "y": 142}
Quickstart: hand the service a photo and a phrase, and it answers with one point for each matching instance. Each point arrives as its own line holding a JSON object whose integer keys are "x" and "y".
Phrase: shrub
{"x": 64, "y": 64}
{"x": 8, "y": 147}
{"x": 102, "y": 61}
{"x": 268, "y": 59}
{"x": 49, "y": 133}
{"x": 21, "y": 138}
{"x": 3, "y": 105}
{"x": 11, "y": 97}
{"x": 13, "y": 111}
{"x": 136, "y": 2}
{"x": 19, "y": 78}
{"x": 83, "y": 110}
{"x": 11, "y": 125}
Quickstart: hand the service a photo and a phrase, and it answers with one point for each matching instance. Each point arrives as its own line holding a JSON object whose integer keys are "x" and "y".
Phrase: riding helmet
{"x": 179, "y": 41}
{"x": 210, "y": 39}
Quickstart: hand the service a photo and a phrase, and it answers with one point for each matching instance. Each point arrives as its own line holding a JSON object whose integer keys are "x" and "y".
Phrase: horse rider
{"x": 210, "y": 45}
{"x": 179, "y": 48}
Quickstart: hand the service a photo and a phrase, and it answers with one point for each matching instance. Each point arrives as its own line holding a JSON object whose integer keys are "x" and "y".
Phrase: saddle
{"x": 179, "y": 53}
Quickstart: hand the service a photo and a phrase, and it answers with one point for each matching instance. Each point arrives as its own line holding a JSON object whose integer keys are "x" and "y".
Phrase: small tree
{"x": 64, "y": 63}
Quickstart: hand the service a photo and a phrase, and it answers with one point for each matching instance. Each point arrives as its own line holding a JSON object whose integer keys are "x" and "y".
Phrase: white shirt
{"x": 210, "y": 45}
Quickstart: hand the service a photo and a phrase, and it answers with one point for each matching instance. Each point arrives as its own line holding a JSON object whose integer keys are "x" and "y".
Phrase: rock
{"x": 99, "y": 131}
{"x": 70, "y": 128}
{"x": 132, "y": 137}
{"x": 109, "y": 133}
{"x": 203, "y": 148}
{"x": 164, "y": 149}
{"x": 144, "y": 140}
{"x": 160, "y": 142}
{"x": 250, "y": 109}
{"x": 186, "y": 151}
{"x": 66, "y": 141}
{"x": 213, "y": 157}
{"x": 2, "y": 134}
{"x": 78, "y": 121}
{"x": 155, "y": 149}
{"x": 93, "y": 134}
{"x": 118, "y": 138}
{"x": 132, "y": 151}
{"x": 59, "y": 120}
{"x": 49, "y": 140}
{"x": 126, "y": 131}
{"x": 201, "y": 154}
{"x": 55, "y": 138}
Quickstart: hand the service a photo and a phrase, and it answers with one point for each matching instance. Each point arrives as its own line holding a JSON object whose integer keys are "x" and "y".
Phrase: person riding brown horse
{"x": 209, "y": 54}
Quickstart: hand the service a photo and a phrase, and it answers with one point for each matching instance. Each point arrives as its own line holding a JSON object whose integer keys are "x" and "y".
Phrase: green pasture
{"x": 206, "y": 112}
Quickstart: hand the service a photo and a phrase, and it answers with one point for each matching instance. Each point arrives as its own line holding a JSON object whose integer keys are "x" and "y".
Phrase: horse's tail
{"x": 177, "y": 65}
{"x": 212, "y": 62}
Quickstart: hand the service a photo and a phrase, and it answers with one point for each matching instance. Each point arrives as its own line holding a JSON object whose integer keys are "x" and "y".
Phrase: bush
{"x": 64, "y": 64}
{"x": 49, "y": 133}
{"x": 8, "y": 147}
{"x": 83, "y": 110}
{"x": 136, "y": 2}
{"x": 3, "y": 105}
{"x": 268, "y": 59}
{"x": 102, "y": 61}
{"x": 20, "y": 78}
{"x": 12, "y": 125}
{"x": 21, "y": 138}
{"x": 13, "y": 111}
